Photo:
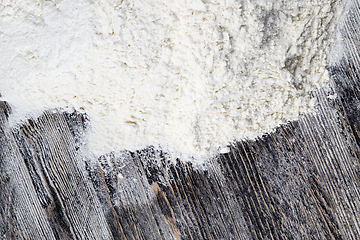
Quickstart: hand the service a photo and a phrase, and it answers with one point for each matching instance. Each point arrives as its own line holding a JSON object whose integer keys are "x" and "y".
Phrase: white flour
{"x": 191, "y": 75}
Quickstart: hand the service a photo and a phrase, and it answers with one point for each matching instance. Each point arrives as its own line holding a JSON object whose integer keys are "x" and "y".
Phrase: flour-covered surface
{"x": 298, "y": 182}
{"x": 191, "y": 76}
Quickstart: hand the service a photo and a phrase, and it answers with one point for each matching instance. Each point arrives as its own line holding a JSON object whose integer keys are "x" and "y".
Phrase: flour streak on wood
{"x": 300, "y": 182}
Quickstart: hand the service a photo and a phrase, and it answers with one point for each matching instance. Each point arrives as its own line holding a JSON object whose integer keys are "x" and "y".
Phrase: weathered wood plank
{"x": 55, "y": 184}
{"x": 20, "y": 207}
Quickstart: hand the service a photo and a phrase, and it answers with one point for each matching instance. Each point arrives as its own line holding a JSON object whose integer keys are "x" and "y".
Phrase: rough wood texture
{"x": 300, "y": 182}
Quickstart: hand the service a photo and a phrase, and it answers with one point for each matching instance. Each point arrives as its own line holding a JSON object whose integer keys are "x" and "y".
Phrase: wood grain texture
{"x": 300, "y": 182}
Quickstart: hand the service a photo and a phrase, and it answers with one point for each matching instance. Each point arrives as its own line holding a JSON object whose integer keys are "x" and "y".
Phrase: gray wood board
{"x": 299, "y": 182}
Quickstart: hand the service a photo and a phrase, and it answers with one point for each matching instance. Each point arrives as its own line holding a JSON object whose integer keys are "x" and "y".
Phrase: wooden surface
{"x": 300, "y": 182}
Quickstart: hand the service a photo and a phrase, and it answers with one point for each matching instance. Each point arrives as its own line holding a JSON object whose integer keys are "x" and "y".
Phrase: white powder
{"x": 190, "y": 75}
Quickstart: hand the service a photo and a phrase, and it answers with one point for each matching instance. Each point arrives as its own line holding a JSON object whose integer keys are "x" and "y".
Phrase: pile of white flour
{"x": 190, "y": 75}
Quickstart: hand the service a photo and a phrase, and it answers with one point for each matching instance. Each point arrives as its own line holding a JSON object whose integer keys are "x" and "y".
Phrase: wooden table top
{"x": 299, "y": 182}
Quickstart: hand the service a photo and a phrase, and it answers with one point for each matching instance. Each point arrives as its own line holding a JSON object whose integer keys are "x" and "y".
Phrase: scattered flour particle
{"x": 224, "y": 150}
{"x": 332, "y": 97}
